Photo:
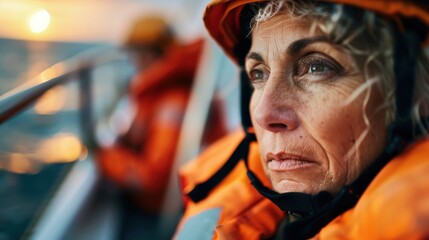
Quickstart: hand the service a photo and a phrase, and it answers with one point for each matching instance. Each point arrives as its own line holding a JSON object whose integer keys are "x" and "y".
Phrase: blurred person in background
{"x": 140, "y": 161}
{"x": 335, "y": 103}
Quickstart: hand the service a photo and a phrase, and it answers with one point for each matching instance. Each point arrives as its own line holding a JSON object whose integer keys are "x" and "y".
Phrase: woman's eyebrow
{"x": 293, "y": 48}
{"x": 255, "y": 56}
{"x": 298, "y": 45}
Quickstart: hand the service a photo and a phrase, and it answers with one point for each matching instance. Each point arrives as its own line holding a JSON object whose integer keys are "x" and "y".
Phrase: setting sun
{"x": 38, "y": 20}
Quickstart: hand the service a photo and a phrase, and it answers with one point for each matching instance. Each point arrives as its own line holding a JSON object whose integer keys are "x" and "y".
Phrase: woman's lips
{"x": 283, "y": 161}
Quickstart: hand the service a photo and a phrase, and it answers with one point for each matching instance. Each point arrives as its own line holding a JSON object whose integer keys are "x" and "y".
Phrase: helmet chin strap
{"x": 296, "y": 203}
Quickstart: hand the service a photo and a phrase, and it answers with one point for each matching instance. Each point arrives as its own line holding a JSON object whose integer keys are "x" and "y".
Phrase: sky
{"x": 96, "y": 20}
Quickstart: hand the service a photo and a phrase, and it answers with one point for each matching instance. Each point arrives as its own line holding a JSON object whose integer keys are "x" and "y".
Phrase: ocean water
{"x": 22, "y": 60}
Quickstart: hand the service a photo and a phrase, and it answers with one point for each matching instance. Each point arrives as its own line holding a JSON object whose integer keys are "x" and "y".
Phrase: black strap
{"x": 245, "y": 94}
{"x": 241, "y": 152}
{"x": 298, "y": 203}
{"x": 246, "y": 15}
{"x": 203, "y": 189}
{"x": 406, "y": 50}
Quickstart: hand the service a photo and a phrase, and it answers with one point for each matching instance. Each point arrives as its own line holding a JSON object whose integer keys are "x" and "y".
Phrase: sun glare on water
{"x": 38, "y": 20}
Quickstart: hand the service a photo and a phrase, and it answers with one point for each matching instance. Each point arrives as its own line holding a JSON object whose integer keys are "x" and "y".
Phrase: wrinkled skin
{"x": 306, "y": 122}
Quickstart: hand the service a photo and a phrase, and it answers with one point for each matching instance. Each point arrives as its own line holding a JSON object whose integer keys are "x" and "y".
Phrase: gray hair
{"x": 370, "y": 42}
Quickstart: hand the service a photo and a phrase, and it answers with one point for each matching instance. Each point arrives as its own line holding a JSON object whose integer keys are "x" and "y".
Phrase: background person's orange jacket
{"x": 141, "y": 161}
{"x": 395, "y": 205}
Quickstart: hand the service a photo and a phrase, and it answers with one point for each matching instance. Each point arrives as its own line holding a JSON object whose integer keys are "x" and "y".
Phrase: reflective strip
{"x": 200, "y": 226}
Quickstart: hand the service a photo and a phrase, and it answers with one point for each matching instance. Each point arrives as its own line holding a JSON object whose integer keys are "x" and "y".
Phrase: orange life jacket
{"x": 161, "y": 94}
{"x": 394, "y": 206}
{"x": 235, "y": 209}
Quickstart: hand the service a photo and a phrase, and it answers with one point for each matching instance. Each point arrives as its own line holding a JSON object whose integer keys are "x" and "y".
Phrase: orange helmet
{"x": 222, "y": 17}
{"x": 151, "y": 32}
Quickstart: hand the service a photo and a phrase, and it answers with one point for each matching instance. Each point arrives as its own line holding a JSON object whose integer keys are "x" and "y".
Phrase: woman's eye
{"x": 319, "y": 67}
{"x": 256, "y": 75}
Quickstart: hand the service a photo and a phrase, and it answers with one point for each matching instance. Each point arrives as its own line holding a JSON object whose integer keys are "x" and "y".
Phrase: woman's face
{"x": 307, "y": 110}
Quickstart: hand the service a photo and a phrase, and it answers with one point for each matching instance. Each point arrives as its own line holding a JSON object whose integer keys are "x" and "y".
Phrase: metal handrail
{"x": 82, "y": 178}
{"x": 15, "y": 100}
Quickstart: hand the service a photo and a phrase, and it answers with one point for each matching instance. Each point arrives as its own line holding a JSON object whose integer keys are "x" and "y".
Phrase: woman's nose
{"x": 274, "y": 113}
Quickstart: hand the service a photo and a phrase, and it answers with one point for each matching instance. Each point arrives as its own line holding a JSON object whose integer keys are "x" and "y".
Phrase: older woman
{"x": 339, "y": 92}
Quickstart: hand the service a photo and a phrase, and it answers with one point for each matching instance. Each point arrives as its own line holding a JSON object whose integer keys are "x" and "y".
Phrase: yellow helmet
{"x": 149, "y": 32}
